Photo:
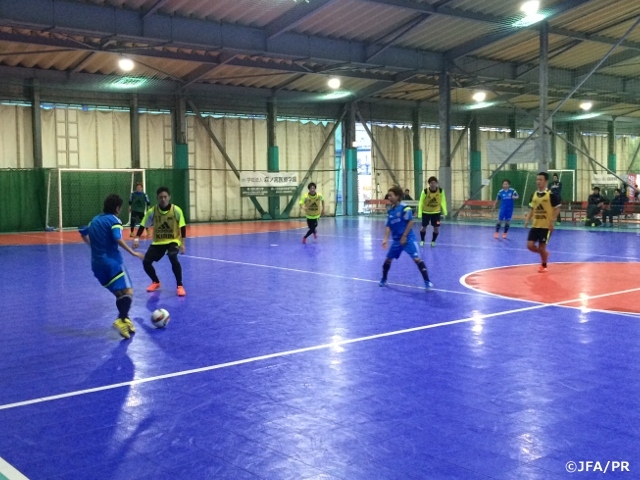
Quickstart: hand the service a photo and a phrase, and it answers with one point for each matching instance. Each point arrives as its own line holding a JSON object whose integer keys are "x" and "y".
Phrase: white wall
{"x": 156, "y": 142}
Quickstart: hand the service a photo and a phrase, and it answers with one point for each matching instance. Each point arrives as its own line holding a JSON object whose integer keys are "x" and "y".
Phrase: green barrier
{"x": 24, "y": 195}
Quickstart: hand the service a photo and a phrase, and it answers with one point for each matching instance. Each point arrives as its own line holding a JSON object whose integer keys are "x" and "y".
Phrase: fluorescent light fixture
{"x": 335, "y": 95}
{"x": 586, "y": 106}
{"x": 128, "y": 82}
{"x": 530, "y": 8}
{"x": 480, "y": 96}
{"x": 334, "y": 83}
{"x": 126, "y": 64}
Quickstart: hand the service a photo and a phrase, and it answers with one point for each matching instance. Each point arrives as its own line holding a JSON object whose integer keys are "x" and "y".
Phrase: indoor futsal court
{"x": 319, "y": 239}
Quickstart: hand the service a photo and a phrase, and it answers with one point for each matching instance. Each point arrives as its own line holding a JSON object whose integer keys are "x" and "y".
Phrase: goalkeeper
{"x": 138, "y": 205}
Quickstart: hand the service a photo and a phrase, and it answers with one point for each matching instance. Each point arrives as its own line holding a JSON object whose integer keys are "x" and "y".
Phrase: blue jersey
{"x": 397, "y": 220}
{"x": 507, "y": 199}
{"x": 104, "y": 231}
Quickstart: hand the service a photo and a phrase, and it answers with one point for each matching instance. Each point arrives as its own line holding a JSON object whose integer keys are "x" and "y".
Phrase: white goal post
{"x": 75, "y": 195}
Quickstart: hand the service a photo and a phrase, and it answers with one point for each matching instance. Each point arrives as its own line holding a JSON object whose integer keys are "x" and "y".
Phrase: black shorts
{"x": 539, "y": 235}
{"x": 156, "y": 252}
{"x": 432, "y": 219}
{"x": 312, "y": 223}
{"x": 136, "y": 218}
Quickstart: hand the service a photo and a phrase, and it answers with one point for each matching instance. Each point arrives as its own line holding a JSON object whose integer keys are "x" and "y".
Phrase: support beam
{"x": 273, "y": 164}
{"x": 418, "y": 168}
{"x": 611, "y": 61}
{"x": 223, "y": 151}
{"x": 543, "y": 140}
{"x": 83, "y": 63}
{"x": 444, "y": 114}
{"x": 156, "y": 6}
{"x": 380, "y": 46}
{"x": 511, "y": 29}
{"x": 611, "y": 146}
{"x": 295, "y": 17}
{"x": 36, "y": 123}
{"x": 134, "y": 123}
{"x": 377, "y": 147}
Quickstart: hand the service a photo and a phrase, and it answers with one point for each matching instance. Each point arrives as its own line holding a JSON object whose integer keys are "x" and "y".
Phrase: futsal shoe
{"x": 428, "y": 285}
{"x": 304, "y": 241}
{"x": 129, "y": 324}
{"x": 542, "y": 269}
{"x": 433, "y": 244}
{"x": 383, "y": 282}
{"x": 181, "y": 292}
{"x": 315, "y": 235}
{"x": 154, "y": 286}
{"x": 422, "y": 243}
{"x": 504, "y": 235}
{"x": 496, "y": 235}
{"x": 122, "y": 328}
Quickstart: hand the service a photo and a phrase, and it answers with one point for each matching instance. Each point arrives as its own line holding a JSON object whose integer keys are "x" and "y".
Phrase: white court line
{"x": 9, "y": 471}
{"x": 478, "y": 247}
{"x": 463, "y": 282}
{"x": 309, "y": 272}
{"x": 324, "y": 346}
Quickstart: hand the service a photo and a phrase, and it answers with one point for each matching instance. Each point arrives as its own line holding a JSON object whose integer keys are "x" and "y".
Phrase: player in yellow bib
{"x": 313, "y": 205}
{"x": 545, "y": 208}
{"x": 431, "y": 207}
{"x": 169, "y": 232}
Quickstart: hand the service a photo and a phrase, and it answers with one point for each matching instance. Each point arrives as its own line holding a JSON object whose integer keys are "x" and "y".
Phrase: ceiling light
{"x": 530, "y": 8}
{"x": 586, "y": 106}
{"x": 479, "y": 96}
{"x": 334, "y": 83}
{"x": 126, "y": 64}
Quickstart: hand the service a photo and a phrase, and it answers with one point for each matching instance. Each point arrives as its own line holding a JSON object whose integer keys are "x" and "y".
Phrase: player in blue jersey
{"x": 104, "y": 235}
{"x": 399, "y": 226}
{"x": 507, "y": 197}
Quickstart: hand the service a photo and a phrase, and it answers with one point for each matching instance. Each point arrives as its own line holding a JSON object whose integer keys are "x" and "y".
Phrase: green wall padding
{"x": 24, "y": 194}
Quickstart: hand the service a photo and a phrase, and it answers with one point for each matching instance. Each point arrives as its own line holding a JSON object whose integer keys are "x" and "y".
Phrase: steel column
{"x": 418, "y": 169}
{"x": 513, "y": 126}
{"x": 444, "y": 117}
{"x": 351, "y": 160}
{"x": 572, "y": 156}
{"x": 543, "y": 138}
{"x": 611, "y": 144}
{"x": 475, "y": 167}
{"x": 134, "y": 125}
{"x": 273, "y": 164}
{"x": 36, "y": 124}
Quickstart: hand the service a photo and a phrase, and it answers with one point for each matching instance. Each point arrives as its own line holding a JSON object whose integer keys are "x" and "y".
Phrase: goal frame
{"x": 60, "y": 171}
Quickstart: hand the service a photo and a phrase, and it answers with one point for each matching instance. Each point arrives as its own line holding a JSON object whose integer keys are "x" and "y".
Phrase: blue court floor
{"x": 287, "y": 361}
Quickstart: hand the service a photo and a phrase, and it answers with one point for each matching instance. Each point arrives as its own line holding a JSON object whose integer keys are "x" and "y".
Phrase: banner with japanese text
{"x": 268, "y": 184}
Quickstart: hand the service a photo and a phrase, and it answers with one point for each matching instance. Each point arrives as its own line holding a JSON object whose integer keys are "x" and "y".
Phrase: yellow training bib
{"x": 166, "y": 227}
{"x": 542, "y": 209}
{"x": 432, "y": 201}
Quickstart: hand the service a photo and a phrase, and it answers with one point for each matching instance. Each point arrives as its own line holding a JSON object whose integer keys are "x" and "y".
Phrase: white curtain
{"x": 215, "y": 190}
{"x": 156, "y": 144}
{"x": 16, "y": 137}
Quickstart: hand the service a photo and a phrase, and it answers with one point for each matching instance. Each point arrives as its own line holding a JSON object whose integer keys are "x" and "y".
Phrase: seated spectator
{"x": 407, "y": 195}
{"x": 594, "y": 207}
{"x": 616, "y": 207}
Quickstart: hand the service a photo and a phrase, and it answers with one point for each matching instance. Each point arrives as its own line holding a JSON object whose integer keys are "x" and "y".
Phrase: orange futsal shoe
{"x": 542, "y": 269}
{"x": 504, "y": 235}
{"x": 496, "y": 235}
{"x": 181, "y": 292}
{"x": 304, "y": 240}
{"x": 153, "y": 287}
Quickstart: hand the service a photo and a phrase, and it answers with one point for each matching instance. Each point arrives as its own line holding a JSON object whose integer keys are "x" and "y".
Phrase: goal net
{"x": 524, "y": 182}
{"x": 76, "y": 195}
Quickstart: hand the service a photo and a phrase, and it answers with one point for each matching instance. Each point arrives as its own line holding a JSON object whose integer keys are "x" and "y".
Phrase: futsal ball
{"x": 160, "y": 318}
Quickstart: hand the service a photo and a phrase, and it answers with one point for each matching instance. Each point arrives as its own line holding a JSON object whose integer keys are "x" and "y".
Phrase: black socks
{"x": 123, "y": 304}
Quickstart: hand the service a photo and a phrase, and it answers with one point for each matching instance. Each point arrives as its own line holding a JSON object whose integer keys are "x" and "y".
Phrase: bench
{"x": 371, "y": 206}
{"x": 477, "y": 208}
